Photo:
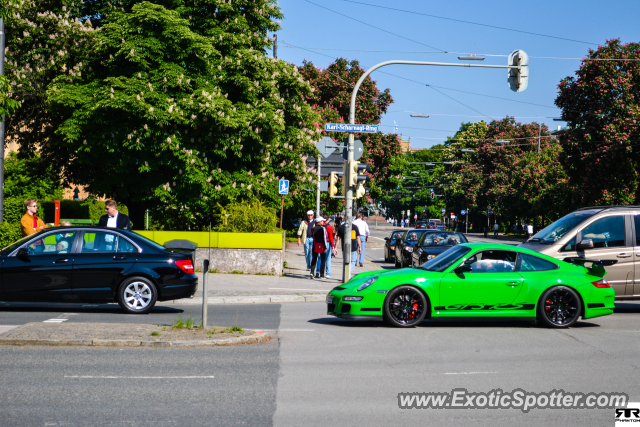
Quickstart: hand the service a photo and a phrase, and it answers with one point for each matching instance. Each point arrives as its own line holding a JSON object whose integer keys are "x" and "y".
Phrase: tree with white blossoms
{"x": 44, "y": 39}
{"x": 178, "y": 105}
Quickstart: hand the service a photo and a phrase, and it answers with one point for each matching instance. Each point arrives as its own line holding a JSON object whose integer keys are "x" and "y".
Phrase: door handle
{"x": 623, "y": 255}
{"x": 61, "y": 261}
{"x": 513, "y": 283}
{"x": 119, "y": 257}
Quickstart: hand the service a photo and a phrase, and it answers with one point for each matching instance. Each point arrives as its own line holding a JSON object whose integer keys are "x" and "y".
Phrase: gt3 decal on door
{"x": 480, "y": 306}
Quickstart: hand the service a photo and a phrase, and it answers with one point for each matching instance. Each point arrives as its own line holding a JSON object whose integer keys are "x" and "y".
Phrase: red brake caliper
{"x": 548, "y": 307}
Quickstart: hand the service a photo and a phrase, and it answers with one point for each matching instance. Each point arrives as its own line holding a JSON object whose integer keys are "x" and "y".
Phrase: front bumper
{"x": 354, "y": 310}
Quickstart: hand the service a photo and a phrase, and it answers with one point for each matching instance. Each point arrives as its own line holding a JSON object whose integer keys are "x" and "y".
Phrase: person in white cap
{"x": 320, "y": 248}
{"x": 306, "y": 230}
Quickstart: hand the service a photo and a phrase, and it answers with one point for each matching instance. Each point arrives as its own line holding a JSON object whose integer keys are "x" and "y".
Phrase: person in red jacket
{"x": 331, "y": 251}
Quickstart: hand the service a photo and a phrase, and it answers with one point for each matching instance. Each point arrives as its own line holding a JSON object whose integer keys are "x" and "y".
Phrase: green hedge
{"x": 9, "y": 233}
{"x": 77, "y": 209}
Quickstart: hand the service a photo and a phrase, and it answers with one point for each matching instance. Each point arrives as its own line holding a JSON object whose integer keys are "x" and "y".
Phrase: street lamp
{"x": 424, "y": 116}
{"x": 502, "y": 141}
{"x": 471, "y": 58}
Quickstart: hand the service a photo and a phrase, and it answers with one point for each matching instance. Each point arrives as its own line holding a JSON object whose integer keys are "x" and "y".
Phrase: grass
{"x": 155, "y": 334}
{"x": 233, "y": 329}
{"x": 237, "y": 272}
{"x": 213, "y": 270}
{"x": 178, "y": 324}
{"x": 189, "y": 322}
{"x": 286, "y": 264}
{"x": 265, "y": 274}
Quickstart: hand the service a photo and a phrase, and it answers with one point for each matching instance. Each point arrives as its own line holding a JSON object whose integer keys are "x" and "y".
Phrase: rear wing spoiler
{"x": 597, "y": 265}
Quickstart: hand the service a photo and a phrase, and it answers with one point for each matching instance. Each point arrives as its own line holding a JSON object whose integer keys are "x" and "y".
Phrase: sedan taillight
{"x": 601, "y": 284}
{"x": 185, "y": 265}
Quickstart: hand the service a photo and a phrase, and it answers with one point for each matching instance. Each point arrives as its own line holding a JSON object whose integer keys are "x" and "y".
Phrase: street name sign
{"x": 345, "y": 127}
{"x": 284, "y": 187}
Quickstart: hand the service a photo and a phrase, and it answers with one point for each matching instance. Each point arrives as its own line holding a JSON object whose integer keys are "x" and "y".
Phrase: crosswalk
{"x": 60, "y": 319}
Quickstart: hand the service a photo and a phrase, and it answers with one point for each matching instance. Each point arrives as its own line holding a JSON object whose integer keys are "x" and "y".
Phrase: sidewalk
{"x": 509, "y": 240}
{"x": 294, "y": 286}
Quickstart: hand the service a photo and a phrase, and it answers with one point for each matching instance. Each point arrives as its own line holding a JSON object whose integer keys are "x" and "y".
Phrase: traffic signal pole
{"x": 346, "y": 248}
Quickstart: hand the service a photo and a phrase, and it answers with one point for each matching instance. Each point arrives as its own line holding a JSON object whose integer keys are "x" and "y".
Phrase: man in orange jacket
{"x": 30, "y": 223}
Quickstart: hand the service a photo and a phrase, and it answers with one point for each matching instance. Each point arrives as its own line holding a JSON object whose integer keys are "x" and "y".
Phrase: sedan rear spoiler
{"x": 597, "y": 265}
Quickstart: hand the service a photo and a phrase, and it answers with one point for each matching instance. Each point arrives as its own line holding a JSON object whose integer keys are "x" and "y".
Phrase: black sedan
{"x": 95, "y": 264}
{"x": 422, "y": 224}
{"x": 404, "y": 246}
{"x": 390, "y": 245}
{"x": 433, "y": 243}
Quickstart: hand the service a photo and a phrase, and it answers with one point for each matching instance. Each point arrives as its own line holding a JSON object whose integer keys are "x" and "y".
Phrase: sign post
{"x": 56, "y": 220}
{"x": 205, "y": 300}
{"x": 283, "y": 190}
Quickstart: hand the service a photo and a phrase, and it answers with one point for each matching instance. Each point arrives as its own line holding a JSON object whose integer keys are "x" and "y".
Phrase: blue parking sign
{"x": 284, "y": 187}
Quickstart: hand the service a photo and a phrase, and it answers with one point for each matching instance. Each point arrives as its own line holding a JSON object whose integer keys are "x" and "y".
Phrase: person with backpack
{"x": 319, "y": 248}
{"x": 329, "y": 253}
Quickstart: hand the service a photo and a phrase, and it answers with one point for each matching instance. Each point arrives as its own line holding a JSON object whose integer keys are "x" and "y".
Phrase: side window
{"x": 533, "y": 263}
{"x": 492, "y": 262}
{"x": 52, "y": 244}
{"x": 125, "y": 246}
{"x": 99, "y": 242}
{"x": 636, "y": 220}
{"x": 570, "y": 246}
{"x": 606, "y": 232}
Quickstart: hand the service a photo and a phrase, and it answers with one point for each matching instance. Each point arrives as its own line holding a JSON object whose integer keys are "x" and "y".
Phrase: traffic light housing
{"x": 361, "y": 179}
{"x": 345, "y": 178}
{"x": 518, "y": 78}
{"x": 353, "y": 173}
{"x": 333, "y": 180}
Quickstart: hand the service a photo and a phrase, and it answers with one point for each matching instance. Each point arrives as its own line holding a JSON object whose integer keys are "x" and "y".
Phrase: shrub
{"x": 248, "y": 216}
{"x": 9, "y": 233}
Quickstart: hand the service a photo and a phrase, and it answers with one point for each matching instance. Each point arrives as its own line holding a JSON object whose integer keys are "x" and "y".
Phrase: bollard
{"x": 205, "y": 277}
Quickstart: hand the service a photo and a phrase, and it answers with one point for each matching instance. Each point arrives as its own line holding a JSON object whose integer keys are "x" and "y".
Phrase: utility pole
{"x": 2, "y": 125}
{"x": 318, "y": 192}
{"x": 518, "y": 75}
{"x": 539, "y": 133}
{"x": 275, "y": 46}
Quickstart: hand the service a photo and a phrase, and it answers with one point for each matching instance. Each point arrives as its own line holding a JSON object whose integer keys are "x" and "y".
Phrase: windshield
{"x": 557, "y": 230}
{"x": 443, "y": 239}
{"x": 413, "y": 236}
{"x": 446, "y": 259}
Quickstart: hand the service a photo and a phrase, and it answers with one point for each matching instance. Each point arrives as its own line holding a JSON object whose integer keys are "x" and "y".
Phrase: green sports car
{"x": 479, "y": 280}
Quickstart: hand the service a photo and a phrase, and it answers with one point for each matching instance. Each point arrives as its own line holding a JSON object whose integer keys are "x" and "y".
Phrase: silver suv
{"x": 601, "y": 232}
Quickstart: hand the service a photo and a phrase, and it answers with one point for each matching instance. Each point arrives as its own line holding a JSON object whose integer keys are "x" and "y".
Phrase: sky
{"x": 568, "y": 29}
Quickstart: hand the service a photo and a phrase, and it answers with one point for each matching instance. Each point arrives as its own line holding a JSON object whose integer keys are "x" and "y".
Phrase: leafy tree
{"x": 26, "y": 177}
{"x": 248, "y": 216}
{"x": 601, "y": 106}
{"x": 179, "y": 106}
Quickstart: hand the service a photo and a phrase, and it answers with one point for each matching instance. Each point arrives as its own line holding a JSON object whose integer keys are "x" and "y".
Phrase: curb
{"x": 256, "y": 337}
{"x": 262, "y": 299}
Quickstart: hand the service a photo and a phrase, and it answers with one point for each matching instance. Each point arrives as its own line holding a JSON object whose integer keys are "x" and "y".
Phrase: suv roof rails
{"x": 609, "y": 207}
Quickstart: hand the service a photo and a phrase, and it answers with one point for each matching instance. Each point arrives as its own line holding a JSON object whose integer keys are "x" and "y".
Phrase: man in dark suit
{"x": 113, "y": 218}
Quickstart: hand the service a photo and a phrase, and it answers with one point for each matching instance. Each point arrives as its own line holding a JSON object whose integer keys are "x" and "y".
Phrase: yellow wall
{"x": 219, "y": 240}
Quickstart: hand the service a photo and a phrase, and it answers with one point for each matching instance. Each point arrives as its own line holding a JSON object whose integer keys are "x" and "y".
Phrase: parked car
{"x": 478, "y": 280}
{"x": 422, "y": 224}
{"x": 404, "y": 247}
{"x": 433, "y": 243}
{"x": 95, "y": 264}
{"x": 600, "y": 232}
{"x": 390, "y": 245}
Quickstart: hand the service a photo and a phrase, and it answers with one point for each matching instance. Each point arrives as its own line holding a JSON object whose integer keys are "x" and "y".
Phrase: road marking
{"x": 291, "y": 289}
{"x": 374, "y": 237}
{"x": 56, "y": 320}
{"x": 110, "y": 377}
{"x": 468, "y": 373}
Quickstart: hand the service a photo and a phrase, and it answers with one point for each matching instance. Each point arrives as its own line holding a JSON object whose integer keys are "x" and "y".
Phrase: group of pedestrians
{"x": 322, "y": 239}
{"x": 396, "y": 223}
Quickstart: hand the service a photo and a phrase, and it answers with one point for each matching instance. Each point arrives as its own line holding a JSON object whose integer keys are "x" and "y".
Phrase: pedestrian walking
{"x": 355, "y": 243}
{"x": 363, "y": 228}
{"x": 530, "y": 230}
{"x": 30, "y": 223}
{"x": 496, "y": 229}
{"x": 319, "y": 249}
{"x": 113, "y": 218}
{"x": 519, "y": 229}
{"x": 331, "y": 250}
{"x": 305, "y": 231}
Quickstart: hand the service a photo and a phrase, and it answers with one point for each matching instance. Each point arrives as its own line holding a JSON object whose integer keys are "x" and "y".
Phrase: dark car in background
{"x": 422, "y": 224}
{"x": 404, "y": 247}
{"x": 95, "y": 264}
{"x": 433, "y": 243}
{"x": 390, "y": 245}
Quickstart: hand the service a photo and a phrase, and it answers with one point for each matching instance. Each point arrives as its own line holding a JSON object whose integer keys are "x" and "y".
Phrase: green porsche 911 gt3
{"x": 479, "y": 280}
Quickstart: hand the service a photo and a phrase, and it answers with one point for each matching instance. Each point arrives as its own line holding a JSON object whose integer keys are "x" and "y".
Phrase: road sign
{"x": 488, "y": 211}
{"x": 344, "y": 127}
{"x": 284, "y": 187}
{"x": 326, "y": 146}
{"x": 358, "y": 149}
{"x": 462, "y": 212}
{"x": 443, "y": 210}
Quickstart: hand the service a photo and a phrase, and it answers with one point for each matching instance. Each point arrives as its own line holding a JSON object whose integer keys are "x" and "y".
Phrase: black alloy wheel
{"x": 560, "y": 307}
{"x": 405, "y": 307}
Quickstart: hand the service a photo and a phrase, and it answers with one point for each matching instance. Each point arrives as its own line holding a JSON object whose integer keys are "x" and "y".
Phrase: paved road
{"x": 319, "y": 371}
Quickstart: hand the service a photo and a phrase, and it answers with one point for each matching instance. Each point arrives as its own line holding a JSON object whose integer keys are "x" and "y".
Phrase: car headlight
{"x": 352, "y": 298}
{"x": 408, "y": 249}
{"x": 368, "y": 283}
{"x": 430, "y": 257}
{"x": 393, "y": 247}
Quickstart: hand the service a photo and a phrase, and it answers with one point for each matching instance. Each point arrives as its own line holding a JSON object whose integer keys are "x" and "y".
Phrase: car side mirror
{"x": 464, "y": 268}
{"x": 585, "y": 244}
{"x": 23, "y": 253}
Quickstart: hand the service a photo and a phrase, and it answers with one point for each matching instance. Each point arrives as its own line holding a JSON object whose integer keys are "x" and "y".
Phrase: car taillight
{"x": 601, "y": 284}
{"x": 185, "y": 265}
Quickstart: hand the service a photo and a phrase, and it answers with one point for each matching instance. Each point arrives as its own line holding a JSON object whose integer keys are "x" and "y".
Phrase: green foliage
{"x": 248, "y": 216}
{"x": 14, "y": 210}
{"x": 30, "y": 176}
{"x": 177, "y": 137}
{"x": 7, "y": 105}
{"x": 9, "y": 233}
{"x": 178, "y": 324}
{"x": 77, "y": 209}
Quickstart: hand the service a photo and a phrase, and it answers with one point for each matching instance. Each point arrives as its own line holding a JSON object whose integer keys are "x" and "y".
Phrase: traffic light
{"x": 432, "y": 195}
{"x": 518, "y": 78}
{"x": 333, "y": 180}
{"x": 361, "y": 179}
{"x": 353, "y": 173}
{"x": 345, "y": 178}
